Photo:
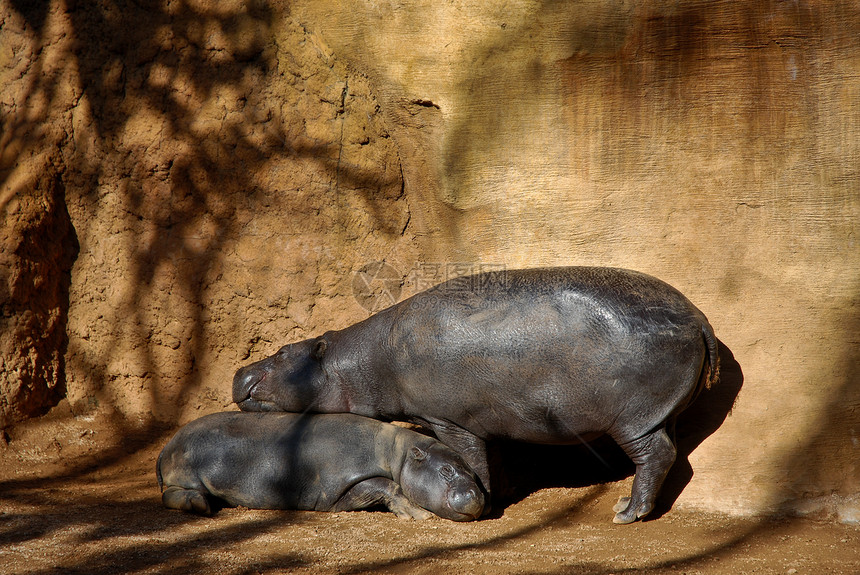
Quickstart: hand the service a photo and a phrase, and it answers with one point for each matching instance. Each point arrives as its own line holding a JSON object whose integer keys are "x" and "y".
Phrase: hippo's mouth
{"x": 251, "y": 404}
{"x": 459, "y": 516}
{"x": 245, "y": 384}
{"x": 463, "y": 517}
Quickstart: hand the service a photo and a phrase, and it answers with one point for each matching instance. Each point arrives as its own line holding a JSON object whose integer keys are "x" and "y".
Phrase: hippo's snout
{"x": 467, "y": 502}
{"x": 243, "y": 383}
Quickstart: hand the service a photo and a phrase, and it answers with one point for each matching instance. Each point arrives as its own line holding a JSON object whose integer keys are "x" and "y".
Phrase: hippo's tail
{"x": 712, "y": 372}
{"x": 158, "y": 472}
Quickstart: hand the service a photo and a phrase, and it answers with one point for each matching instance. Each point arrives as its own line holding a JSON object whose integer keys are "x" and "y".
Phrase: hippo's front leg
{"x": 380, "y": 491}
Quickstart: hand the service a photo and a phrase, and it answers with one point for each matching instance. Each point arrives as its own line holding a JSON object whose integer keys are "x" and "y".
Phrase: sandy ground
{"x": 75, "y": 500}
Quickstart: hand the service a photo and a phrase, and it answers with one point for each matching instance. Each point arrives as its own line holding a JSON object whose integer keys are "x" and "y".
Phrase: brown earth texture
{"x": 76, "y": 501}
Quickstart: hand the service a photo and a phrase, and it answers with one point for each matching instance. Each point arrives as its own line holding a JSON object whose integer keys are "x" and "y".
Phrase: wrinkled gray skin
{"x": 338, "y": 462}
{"x": 553, "y": 355}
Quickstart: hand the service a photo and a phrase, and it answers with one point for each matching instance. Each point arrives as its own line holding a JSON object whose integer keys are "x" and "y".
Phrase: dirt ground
{"x": 74, "y": 498}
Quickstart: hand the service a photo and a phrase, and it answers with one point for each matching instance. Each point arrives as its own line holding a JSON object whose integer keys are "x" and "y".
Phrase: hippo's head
{"x": 437, "y": 479}
{"x": 290, "y": 380}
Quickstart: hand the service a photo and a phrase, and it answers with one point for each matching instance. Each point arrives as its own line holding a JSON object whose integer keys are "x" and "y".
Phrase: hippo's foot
{"x": 625, "y": 514}
{"x": 380, "y": 491}
{"x": 405, "y": 509}
{"x": 653, "y": 455}
{"x": 190, "y": 500}
{"x": 623, "y": 503}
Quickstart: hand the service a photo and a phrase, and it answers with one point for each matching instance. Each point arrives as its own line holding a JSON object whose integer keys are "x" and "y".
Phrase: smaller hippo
{"x": 334, "y": 462}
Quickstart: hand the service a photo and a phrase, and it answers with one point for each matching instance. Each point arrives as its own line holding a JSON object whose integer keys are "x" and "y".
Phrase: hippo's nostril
{"x": 243, "y": 382}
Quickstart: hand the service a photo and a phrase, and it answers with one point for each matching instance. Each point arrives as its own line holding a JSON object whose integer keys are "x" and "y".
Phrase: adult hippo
{"x": 338, "y": 462}
{"x": 553, "y": 355}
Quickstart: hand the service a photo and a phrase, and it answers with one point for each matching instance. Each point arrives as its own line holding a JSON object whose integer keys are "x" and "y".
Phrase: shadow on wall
{"x": 698, "y": 422}
{"x": 648, "y": 96}
{"x": 168, "y": 177}
{"x": 84, "y": 89}
{"x": 173, "y": 125}
{"x": 813, "y": 484}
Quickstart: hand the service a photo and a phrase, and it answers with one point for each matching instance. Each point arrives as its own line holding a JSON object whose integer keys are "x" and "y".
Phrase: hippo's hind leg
{"x": 191, "y": 500}
{"x": 653, "y": 455}
{"x": 380, "y": 491}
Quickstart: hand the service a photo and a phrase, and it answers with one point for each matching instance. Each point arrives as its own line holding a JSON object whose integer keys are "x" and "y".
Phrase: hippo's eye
{"x": 447, "y": 472}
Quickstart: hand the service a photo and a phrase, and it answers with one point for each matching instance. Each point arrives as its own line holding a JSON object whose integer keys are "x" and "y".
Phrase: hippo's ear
{"x": 418, "y": 454}
{"x": 320, "y": 345}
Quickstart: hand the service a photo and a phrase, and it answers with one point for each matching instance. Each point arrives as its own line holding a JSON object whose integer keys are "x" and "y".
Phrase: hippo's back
{"x": 547, "y": 355}
{"x": 627, "y": 293}
{"x": 273, "y": 460}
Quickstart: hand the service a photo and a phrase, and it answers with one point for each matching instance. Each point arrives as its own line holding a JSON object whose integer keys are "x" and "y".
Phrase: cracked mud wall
{"x": 224, "y": 173}
{"x": 227, "y": 167}
{"x": 37, "y": 248}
